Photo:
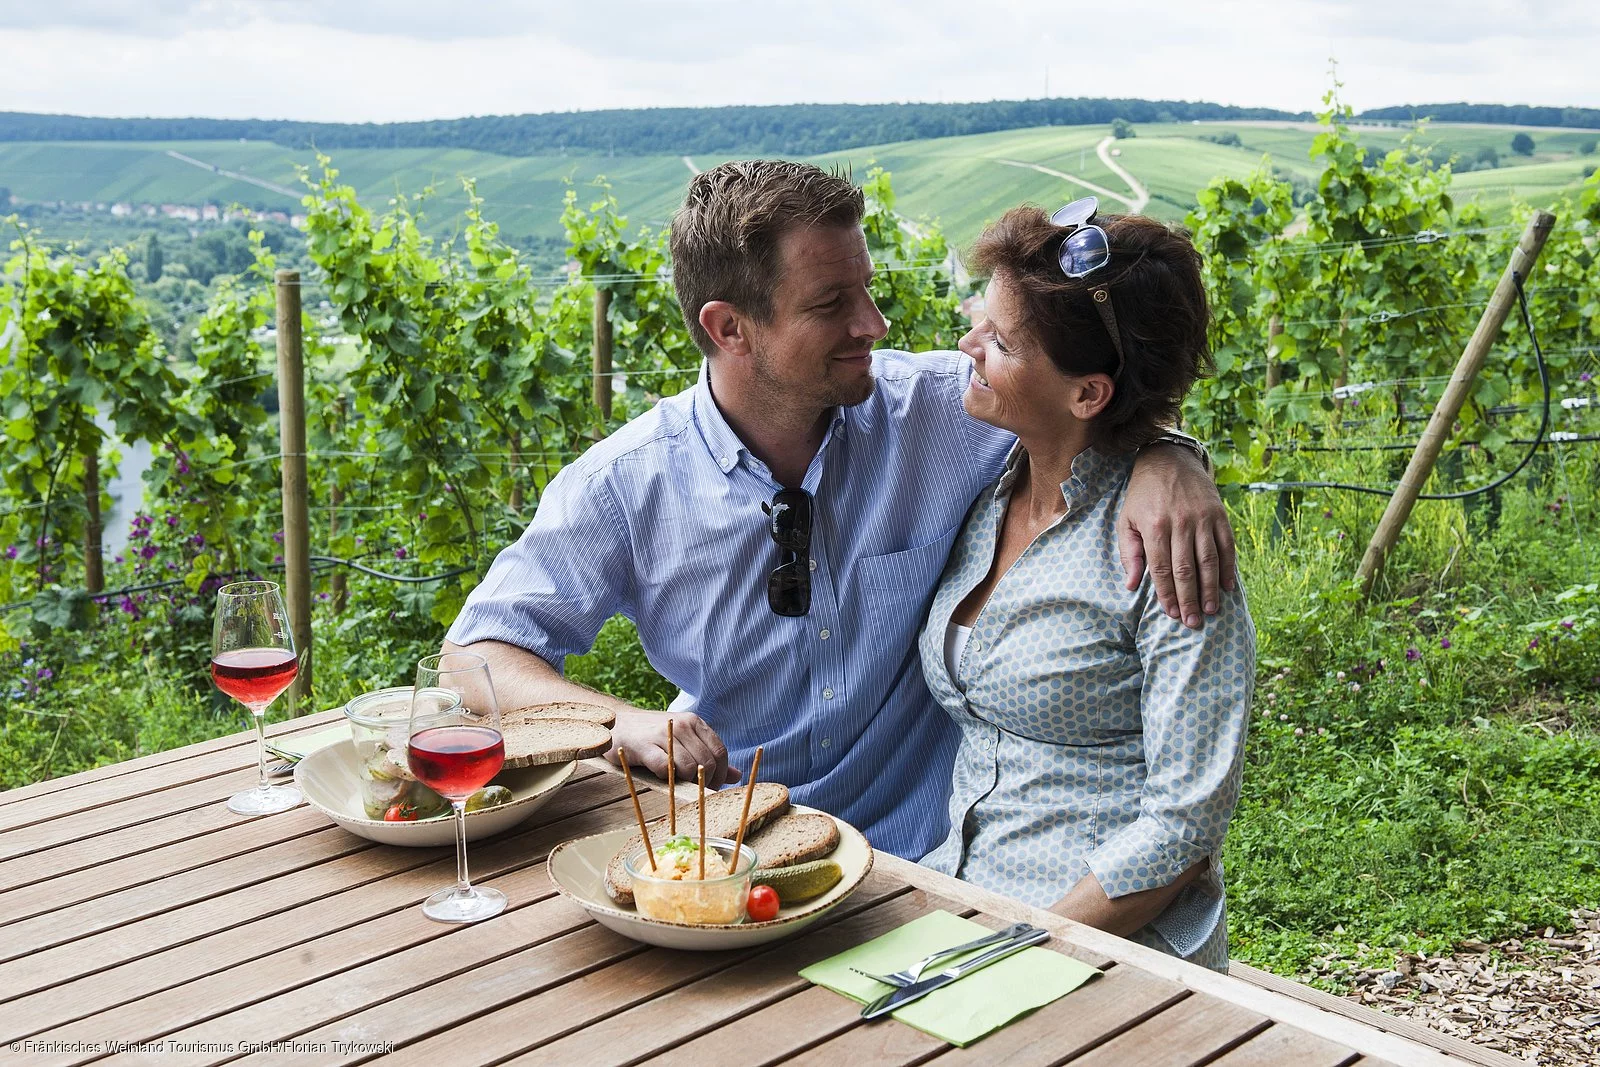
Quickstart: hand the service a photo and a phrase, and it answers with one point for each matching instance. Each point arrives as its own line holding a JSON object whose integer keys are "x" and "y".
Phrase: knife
{"x": 899, "y": 998}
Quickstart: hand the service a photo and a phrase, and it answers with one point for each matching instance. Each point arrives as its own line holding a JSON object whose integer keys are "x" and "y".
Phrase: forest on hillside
{"x": 792, "y": 129}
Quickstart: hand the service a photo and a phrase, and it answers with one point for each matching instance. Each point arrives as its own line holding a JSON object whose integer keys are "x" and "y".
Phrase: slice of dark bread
{"x": 794, "y": 838}
{"x": 535, "y": 742}
{"x": 562, "y": 709}
{"x": 769, "y": 801}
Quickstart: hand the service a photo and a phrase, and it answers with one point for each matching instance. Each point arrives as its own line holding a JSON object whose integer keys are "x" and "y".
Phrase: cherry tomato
{"x": 400, "y": 813}
{"x": 763, "y": 904}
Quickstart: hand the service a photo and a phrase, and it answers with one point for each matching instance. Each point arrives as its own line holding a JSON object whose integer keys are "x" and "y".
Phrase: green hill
{"x": 960, "y": 181}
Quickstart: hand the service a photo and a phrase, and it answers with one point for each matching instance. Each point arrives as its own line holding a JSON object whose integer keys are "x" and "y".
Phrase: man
{"x": 860, "y": 465}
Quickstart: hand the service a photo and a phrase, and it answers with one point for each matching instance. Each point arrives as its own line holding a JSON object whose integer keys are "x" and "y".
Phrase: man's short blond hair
{"x": 725, "y": 236}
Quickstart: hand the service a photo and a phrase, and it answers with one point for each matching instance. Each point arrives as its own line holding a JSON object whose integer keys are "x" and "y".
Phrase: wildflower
{"x": 198, "y": 540}
{"x": 278, "y": 558}
{"x": 1444, "y": 642}
{"x": 1585, "y": 376}
{"x": 361, "y": 540}
{"x": 1355, "y": 687}
{"x": 278, "y": 537}
{"x": 1283, "y": 718}
{"x": 1272, "y": 698}
{"x": 400, "y": 553}
{"x": 1566, "y": 624}
{"x": 1322, "y": 731}
{"x": 1422, "y": 682}
{"x": 148, "y": 552}
{"x": 1534, "y": 643}
{"x": 1413, "y": 654}
{"x": 1340, "y": 675}
{"x": 448, "y": 488}
{"x": 1341, "y": 535}
{"x": 116, "y": 559}
{"x": 183, "y": 465}
{"x": 1327, "y": 513}
{"x": 11, "y": 552}
{"x": 324, "y": 596}
{"x": 45, "y": 674}
{"x": 172, "y": 520}
{"x": 1299, "y": 731}
{"x": 422, "y": 516}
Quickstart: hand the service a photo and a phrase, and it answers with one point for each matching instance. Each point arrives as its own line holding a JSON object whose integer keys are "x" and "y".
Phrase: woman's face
{"x": 1014, "y": 385}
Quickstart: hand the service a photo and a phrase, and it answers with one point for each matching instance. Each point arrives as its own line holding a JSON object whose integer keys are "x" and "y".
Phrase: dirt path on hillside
{"x": 1141, "y": 195}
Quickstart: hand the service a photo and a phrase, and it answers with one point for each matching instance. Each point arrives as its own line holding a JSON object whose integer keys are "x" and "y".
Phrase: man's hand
{"x": 694, "y": 743}
{"x": 1174, "y": 523}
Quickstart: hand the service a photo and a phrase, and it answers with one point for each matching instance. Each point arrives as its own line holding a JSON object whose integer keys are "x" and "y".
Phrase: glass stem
{"x": 261, "y": 748}
{"x": 463, "y": 886}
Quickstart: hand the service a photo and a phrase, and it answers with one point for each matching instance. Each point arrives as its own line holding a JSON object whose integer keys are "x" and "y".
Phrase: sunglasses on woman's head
{"x": 789, "y": 585}
{"x": 1085, "y": 250}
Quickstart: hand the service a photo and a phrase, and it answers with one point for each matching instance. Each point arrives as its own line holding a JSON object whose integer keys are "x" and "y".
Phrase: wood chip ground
{"x": 1535, "y": 998}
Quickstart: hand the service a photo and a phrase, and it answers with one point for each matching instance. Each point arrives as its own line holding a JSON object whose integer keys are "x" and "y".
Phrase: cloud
{"x": 366, "y": 60}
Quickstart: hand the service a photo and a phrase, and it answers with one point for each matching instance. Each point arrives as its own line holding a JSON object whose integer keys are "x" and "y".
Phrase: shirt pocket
{"x": 896, "y": 589}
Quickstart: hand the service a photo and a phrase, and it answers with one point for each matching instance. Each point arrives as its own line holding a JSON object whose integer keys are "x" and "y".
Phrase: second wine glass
{"x": 455, "y": 748}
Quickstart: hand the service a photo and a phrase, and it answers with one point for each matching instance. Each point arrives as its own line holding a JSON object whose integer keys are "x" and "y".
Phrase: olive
{"x": 490, "y": 796}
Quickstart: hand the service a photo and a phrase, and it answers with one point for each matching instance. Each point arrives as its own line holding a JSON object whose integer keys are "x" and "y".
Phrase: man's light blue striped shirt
{"x": 662, "y": 522}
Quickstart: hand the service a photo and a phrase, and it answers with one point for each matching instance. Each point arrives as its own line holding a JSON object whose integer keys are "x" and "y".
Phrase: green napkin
{"x": 963, "y": 1011}
{"x": 299, "y": 746}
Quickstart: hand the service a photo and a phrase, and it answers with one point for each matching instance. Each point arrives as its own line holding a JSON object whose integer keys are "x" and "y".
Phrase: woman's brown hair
{"x": 1160, "y": 302}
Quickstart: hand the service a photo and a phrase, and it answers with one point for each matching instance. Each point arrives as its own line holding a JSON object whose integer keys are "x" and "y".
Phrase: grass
{"x": 959, "y": 181}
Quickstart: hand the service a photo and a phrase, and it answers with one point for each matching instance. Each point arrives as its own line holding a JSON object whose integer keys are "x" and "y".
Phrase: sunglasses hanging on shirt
{"x": 789, "y": 585}
{"x": 1085, "y": 250}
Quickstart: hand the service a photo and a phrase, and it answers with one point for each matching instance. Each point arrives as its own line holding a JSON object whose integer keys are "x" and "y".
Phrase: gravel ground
{"x": 1535, "y": 998}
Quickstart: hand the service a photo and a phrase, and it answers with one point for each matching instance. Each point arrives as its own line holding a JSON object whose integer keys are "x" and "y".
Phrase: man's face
{"x": 817, "y": 349}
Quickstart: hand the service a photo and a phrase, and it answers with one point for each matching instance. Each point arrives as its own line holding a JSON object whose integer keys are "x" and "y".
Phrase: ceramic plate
{"x": 328, "y": 780}
{"x": 578, "y": 869}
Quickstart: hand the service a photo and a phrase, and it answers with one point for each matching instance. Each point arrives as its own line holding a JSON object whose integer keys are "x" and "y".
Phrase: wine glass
{"x": 253, "y": 660}
{"x": 455, "y": 747}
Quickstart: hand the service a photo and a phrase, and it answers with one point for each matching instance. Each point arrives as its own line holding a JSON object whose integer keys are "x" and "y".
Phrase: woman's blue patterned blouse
{"x": 1098, "y": 735}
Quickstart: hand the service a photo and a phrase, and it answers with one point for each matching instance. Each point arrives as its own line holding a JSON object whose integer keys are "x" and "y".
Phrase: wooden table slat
{"x": 95, "y": 786}
{"x": 530, "y": 997}
{"x": 1278, "y": 1045}
{"x": 1118, "y": 1000}
{"x": 703, "y": 1007}
{"x": 412, "y": 870}
{"x": 1192, "y": 1031}
{"x": 277, "y": 983}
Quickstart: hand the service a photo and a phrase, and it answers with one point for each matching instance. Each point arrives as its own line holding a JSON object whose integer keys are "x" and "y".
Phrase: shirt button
{"x": 813, "y": 564}
{"x": 722, "y": 460}
{"x": 826, "y": 741}
{"x": 824, "y": 633}
{"x": 827, "y": 693}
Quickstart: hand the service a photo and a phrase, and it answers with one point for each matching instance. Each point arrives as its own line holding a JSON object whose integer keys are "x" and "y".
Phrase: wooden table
{"x": 135, "y": 908}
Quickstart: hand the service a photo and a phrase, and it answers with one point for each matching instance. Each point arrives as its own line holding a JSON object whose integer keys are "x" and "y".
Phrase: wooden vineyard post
{"x": 602, "y": 352}
{"x": 341, "y": 589}
{"x": 1274, "y": 370}
{"x": 94, "y": 565}
{"x": 1384, "y": 538}
{"x": 292, "y": 450}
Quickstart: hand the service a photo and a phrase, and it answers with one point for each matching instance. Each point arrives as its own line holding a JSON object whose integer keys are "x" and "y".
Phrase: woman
{"x": 1101, "y": 740}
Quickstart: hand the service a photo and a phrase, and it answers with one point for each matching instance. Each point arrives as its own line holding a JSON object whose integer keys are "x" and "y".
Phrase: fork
{"x": 913, "y": 973}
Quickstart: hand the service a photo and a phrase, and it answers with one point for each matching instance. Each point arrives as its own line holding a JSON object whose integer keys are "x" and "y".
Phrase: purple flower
{"x": 448, "y": 488}
{"x": 324, "y": 596}
{"x": 45, "y": 674}
{"x": 1327, "y": 513}
{"x": 172, "y": 521}
{"x": 360, "y": 540}
{"x": 1566, "y": 624}
{"x": 148, "y": 552}
{"x": 422, "y": 516}
{"x": 183, "y": 466}
{"x": 11, "y": 552}
{"x": 1413, "y": 654}
{"x": 278, "y": 537}
{"x": 1444, "y": 642}
{"x": 116, "y": 559}
{"x": 1585, "y": 376}
{"x": 277, "y": 559}
{"x": 400, "y": 553}
{"x": 198, "y": 540}
{"x": 1534, "y": 643}
{"x": 127, "y": 606}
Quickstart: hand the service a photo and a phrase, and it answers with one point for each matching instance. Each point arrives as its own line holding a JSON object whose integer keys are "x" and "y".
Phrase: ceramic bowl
{"x": 578, "y": 869}
{"x": 330, "y": 781}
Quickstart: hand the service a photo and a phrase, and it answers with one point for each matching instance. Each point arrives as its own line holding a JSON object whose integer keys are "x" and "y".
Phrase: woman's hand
{"x": 694, "y": 743}
{"x": 1173, "y": 522}
{"x": 1087, "y": 903}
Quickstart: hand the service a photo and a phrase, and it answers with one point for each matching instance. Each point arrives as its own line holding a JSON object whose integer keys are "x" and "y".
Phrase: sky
{"x": 397, "y": 60}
